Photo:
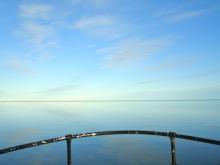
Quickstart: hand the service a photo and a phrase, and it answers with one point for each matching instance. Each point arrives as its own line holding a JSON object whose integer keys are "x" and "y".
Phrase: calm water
{"x": 27, "y": 122}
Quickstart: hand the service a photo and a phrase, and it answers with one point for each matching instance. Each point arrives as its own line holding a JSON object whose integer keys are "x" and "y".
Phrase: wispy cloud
{"x": 36, "y": 26}
{"x": 181, "y": 11}
{"x": 37, "y": 33}
{"x": 62, "y": 92}
{"x": 144, "y": 82}
{"x": 100, "y": 25}
{"x": 34, "y": 10}
{"x": 2, "y": 93}
{"x": 93, "y": 22}
{"x": 61, "y": 89}
{"x": 132, "y": 50}
{"x": 172, "y": 64}
{"x": 187, "y": 15}
{"x": 19, "y": 65}
{"x": 94, "y": 3}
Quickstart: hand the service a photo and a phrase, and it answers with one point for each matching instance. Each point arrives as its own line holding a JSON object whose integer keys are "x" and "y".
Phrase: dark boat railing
{"x": 68, "y": 138}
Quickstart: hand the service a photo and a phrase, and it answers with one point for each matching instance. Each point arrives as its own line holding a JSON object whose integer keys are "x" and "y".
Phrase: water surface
{"x": 27, "y": 122}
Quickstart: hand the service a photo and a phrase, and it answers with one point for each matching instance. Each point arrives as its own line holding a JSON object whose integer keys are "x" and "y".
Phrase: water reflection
{"x": 21, "y": 123}
{"x": 137, "y": 150}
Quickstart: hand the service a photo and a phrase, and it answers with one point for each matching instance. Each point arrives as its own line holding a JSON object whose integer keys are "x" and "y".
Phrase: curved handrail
{"x": 69, "y": 137}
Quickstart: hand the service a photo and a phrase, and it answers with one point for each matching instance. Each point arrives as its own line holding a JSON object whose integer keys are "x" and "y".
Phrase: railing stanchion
{"x": 172, "y": 136}
{"x": 69, "y": 153}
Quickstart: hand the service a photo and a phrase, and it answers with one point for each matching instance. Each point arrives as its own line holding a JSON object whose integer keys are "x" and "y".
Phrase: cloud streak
{"x": 35, "y": 11}
{"x": 132, "y": 50}
{"x": 36, "y": 25}
{"x": 144, "y": 82}
{"x": 19, "y": 65}
{"x": 91, "y": 22}
{"x": 181, "y": 12}
{"x": 94, "y": 3}
{"x": 187, "y": 15}
{"x": 2, "y": 93}
{"x": 37, "y": 33}
{"x": 61, "y": 89}
{"x": 172, "y": 64}
{"x": 100, "y": 26}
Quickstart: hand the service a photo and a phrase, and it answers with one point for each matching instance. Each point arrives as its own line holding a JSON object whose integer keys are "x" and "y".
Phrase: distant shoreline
{"x": 120, "y": 100}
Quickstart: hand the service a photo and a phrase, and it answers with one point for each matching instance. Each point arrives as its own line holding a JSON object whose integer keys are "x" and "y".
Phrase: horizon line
{"x": 111, "y": 100}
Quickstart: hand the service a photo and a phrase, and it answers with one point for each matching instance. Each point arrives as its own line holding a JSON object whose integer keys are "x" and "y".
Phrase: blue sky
{"x": 109, "y": 49}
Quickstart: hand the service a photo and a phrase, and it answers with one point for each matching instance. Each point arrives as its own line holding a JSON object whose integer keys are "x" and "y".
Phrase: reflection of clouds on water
{"x": 20, "y": 135}
{"x": 62, "y": 112}
{"x": 21, "y": 123}
{"x": 42, "y": 157}
{"x": 213, "y": 127}
{"x": 132, "y": 151}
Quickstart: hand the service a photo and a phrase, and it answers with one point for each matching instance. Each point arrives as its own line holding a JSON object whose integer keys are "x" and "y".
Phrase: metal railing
{"x": 68, "y": 138}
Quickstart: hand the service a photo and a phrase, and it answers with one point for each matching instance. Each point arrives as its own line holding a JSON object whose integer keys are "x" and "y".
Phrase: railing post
{"x": 69, "y": 153}
{"x": 172, "y": 136}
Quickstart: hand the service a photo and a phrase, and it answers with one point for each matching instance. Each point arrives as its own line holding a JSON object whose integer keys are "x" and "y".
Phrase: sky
{"x": 109, "y": 49}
